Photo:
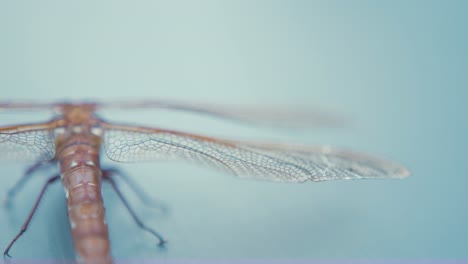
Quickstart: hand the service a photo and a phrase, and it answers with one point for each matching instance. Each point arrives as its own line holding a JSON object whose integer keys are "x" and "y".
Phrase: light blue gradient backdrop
{"x": 397, "y": 69}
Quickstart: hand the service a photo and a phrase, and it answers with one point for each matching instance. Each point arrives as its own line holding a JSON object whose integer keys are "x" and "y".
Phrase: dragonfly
{"x": 75, "y": 137}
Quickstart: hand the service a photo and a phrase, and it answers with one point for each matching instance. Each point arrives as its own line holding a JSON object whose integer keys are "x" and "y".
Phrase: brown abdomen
{"x": 81, "y": 177}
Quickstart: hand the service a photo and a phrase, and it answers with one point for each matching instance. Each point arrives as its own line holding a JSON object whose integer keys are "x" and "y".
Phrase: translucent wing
{"x": 267, "y": 115}
{"x": 267, "y": 162}
{"x": 7, "y": 106}
{"x": 27, "y": 142}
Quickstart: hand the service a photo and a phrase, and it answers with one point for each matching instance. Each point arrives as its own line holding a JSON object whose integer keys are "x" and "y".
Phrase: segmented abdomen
{"x": 81, "y": 177}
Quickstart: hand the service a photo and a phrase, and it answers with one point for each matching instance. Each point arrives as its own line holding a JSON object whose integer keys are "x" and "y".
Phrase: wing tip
{"x": 402, "y": 172}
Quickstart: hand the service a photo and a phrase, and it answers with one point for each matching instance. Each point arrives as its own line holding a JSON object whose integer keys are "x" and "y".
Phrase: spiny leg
{"x": 147, "y": 200}
{"x": 161, "y": 241}
{"x": 31, "y": 213}
{"x": 20, "y": 183}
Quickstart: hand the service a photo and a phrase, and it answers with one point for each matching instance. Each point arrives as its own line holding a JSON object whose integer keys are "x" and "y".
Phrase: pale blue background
{"x": 397, "y": 69}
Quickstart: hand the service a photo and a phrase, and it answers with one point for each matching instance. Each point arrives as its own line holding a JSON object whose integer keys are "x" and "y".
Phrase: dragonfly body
{"x": 75, "y": 137}
{"x": 78, "y": 146}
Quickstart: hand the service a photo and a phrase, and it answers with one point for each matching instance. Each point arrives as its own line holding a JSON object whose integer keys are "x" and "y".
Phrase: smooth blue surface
{"x": 398, "y": 69}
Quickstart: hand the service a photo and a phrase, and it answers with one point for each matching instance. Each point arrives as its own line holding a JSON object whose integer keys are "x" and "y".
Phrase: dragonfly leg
{"x": 11, "y": 193}
{"x": 31, "y": 213}
{"x": 144, "y": 198}
{"x": 161, "y": 241}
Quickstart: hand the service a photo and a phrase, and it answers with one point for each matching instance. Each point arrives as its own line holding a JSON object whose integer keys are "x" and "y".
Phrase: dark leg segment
{"x": 20, "y": 183}
{"x": 147, "y": 200}
{"x": 31, "y": 214}
{"x": 161, "y": 241}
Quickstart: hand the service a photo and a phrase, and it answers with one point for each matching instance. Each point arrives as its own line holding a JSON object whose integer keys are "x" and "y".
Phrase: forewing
{"x": 281, "y": 163}
{"x": 266, "y": 115}
{"x": 28, "y": 106}
{"x": 27, "y": 142}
